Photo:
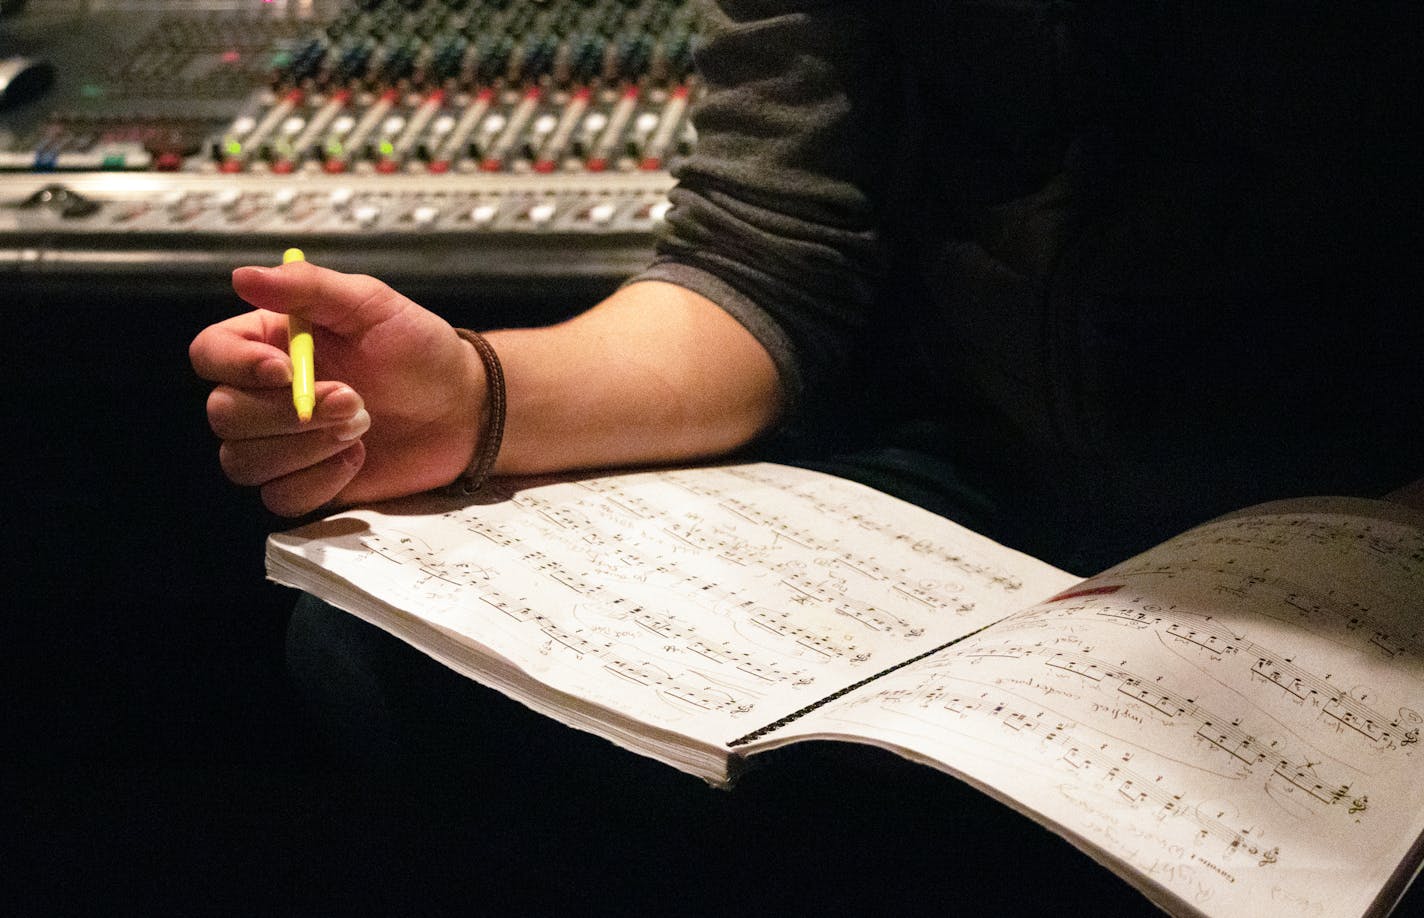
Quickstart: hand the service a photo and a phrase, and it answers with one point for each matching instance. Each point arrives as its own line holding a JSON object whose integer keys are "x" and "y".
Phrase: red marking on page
{"x": 1086, "y": 591}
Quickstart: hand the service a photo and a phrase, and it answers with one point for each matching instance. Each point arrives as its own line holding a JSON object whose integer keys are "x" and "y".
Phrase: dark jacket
{"x": 1118, "y": 266}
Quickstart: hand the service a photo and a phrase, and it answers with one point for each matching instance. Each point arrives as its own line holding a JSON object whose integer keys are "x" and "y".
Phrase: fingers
{"x": 236, "y": 413}
{"x": 240, "y": 352}
{"x": 249, "y": 350}
{"x": 263, "y": 459}
{"x": 347, "y": 304}
{"x": 316, "y": 485}
{"x": 299, "y": 467}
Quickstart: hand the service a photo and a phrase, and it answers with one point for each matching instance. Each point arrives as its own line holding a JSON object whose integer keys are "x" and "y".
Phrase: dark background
{"x": 158, "y": 762}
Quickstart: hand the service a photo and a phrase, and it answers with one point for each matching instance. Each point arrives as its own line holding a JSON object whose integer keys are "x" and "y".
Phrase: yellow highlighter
{"x": 299, "y": 346}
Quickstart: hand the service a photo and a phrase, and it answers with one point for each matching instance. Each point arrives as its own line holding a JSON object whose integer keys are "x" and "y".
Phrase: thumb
{"x": 346, "y": 304}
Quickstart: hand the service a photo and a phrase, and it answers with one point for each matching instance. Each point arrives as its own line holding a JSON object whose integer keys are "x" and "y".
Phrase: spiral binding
{"x": 795, "y": 715}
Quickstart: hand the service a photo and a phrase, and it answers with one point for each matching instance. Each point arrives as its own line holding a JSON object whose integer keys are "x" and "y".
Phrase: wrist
{"x": 489, "y": 417}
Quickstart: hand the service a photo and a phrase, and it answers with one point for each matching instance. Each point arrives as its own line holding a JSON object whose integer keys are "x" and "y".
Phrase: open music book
{"x": 1230, "y": 721}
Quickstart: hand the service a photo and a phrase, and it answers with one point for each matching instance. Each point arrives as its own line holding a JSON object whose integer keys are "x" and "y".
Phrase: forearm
{"x": 653, "y": 374}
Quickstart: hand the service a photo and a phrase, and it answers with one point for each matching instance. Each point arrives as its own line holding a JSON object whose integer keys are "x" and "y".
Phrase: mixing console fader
{"x": 469, "y": 139}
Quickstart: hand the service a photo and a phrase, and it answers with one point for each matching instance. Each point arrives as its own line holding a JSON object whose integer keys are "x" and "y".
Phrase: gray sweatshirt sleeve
{"x": 774, "y": 215}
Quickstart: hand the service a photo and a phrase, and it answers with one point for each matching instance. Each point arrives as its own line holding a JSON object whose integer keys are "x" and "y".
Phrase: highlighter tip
{"x": 305, "y": 407}
{"x": 292, "y": 255}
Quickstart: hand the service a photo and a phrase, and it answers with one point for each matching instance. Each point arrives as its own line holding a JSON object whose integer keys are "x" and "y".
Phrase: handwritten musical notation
{"x": 1364, "y": 553}
{"x": 707, "y": 601}
{"x": 1313, "y": 692}
{"x": 1223, "y": 704}
{"x": 1219, "y": 716}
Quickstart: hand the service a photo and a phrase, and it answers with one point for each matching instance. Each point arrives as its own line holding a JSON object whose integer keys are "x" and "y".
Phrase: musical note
{"x": 701, "y": 591}
{"x": 1223, "y": 704}
{"x": 1240, "y": 702}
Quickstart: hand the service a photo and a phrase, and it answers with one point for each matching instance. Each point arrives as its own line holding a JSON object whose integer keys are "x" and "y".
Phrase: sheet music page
{"x": 1235, "y": 715}
{"x": 707, "y": 601}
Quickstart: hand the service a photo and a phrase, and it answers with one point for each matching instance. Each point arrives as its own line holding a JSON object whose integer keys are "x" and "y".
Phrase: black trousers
{"x": 522, "y": 813}
{"x": 518, "y": 812}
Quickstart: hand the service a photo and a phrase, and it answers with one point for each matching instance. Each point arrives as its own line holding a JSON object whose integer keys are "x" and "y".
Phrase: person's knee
{"x": 333, "y": 661}
{"x": 383, "y": 700}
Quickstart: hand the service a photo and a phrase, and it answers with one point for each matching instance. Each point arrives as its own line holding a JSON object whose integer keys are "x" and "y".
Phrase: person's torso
{"x": 1164, "y": 240}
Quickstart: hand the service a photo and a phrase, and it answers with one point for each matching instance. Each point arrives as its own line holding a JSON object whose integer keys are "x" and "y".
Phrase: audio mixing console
{"x": 476, "y": 141}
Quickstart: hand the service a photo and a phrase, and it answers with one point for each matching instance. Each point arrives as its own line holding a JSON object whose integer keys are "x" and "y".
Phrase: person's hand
{"x": 398, "y": 392}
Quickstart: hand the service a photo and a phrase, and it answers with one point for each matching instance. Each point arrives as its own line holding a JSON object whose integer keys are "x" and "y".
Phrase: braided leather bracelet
{"x": 492, "y": 429}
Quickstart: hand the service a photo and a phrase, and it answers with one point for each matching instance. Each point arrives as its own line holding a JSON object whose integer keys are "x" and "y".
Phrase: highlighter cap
{"x": 292, "y": 255}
